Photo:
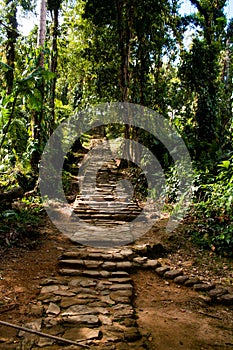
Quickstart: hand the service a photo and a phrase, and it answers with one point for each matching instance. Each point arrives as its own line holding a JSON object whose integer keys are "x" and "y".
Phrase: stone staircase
{"x": 107, "y": 198}
{"x": 106, "y": 206}
{"x": 91, "y": 301}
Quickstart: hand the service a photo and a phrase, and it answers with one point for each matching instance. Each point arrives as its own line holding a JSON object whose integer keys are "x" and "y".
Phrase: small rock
{"x": 151, "y": 264}
{"x": 217, "y": 292}
{"x": 52, "y": 321}
{"x": 90, "y": 320}
{"x": 53, "y": 309}
{"x": 203, "y": 287}
{"x": 106, "y": 299}
{"x": 161, "y": 270}
{"x": 92, "y": 264}
{"x": 191, "y": 281}
{"x": 122, "y": 310}
{"x": 173, "y": 274}
{"x": 70, "y": 272}
{"x": 87, "y": 296}
{"x": 103, "y": 284}
{"x": 120, "y": 299}
{"x": 141, "y": 248}
{"x": 127, "y": 253}
{"x": 140, "y": 260}
{"x": 117, "y": 256}
{"x": 109, "y": 265}
{"x": 120, "y": 280}
{"x": 82, "y": 334}
{"x": 49, "y": 289}
{"x": 84, "y": 310}
{"x": 67, "y": 302}
{"x": 45, "y": 342}
{"x": 180, "y": 279}
{"x": 75, "y": 282}
{"x": 71, "y": 262}
{"x": 226, "y": 299}
{"x": 106, "y": 256}
{"x": 105, "y": 320}
{"x": 87, "y": 283}
{"x": 50, "y": 281}
{"x": 64, "y": 293}
{"x": 49, "y": 299}
{"x": 121, "y": 287}
{"x": 104, "y": 274}
{"x": 124, "y": 265}
{"x": 90, "y": 273}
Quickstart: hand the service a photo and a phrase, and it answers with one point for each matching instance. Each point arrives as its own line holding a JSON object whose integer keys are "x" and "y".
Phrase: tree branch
{"x": 28, "y": 330}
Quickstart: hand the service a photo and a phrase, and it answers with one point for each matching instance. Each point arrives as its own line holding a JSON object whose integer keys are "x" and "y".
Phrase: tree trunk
{"x": 53, "y": 64}
{"x": 12, "y": 35}
{"x": 42, "y": 30}
{"x": 37, "y": 116}
{"x": 124, "y": 26}
{"x": 124, "y": 33}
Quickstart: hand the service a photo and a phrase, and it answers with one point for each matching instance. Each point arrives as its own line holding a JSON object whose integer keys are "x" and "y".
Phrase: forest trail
{"x": 121, "y": 298}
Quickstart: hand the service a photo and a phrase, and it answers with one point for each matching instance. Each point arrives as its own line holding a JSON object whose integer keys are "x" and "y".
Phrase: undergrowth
{"x": 20, "y": 224}
{"x": 213, "y": 211}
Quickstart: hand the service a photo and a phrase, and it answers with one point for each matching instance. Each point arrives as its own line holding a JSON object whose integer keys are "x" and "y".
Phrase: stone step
{"x": 120, "y": 204}
{"x": 75, "y": 264}
{"x": 104, "y": 223}
{"x": 96, "y": 255}
{"x": 93, "y": 273}
{"x": 82, "y": 210}
{"x": 90, "y": 197}
{"x": 107, "y": 262}
{"x": 115, "y": 217}
{"x": 112, "y": 207}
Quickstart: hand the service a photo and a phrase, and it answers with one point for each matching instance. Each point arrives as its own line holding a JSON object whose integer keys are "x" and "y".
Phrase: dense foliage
{"x": 90, "y": 52}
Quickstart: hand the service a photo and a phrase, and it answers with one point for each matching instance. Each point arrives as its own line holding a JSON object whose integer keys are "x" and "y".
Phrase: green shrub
{"x": 214, "y": 211}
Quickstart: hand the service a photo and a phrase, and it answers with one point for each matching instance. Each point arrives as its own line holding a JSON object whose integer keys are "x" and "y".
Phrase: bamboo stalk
{"x": 28, "y": 330}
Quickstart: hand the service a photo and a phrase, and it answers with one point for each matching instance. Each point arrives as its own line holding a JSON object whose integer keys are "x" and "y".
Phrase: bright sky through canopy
{"x": 27, "y": 24}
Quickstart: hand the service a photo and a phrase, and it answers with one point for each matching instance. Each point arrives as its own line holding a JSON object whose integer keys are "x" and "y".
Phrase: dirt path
{"x": 174, "y": 317}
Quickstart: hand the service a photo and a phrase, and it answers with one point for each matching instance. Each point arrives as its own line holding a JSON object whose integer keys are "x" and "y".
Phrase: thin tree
{"x": 12, "y": 34}
{"x": 37, "y": 115}
{"x": 42, "y": 30}
{"x": 53, "y": 7}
